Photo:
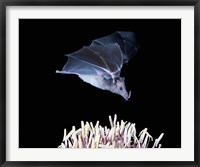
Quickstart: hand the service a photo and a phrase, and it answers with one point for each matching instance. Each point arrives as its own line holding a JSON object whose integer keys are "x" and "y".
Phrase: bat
{"x": 100, "y": 63}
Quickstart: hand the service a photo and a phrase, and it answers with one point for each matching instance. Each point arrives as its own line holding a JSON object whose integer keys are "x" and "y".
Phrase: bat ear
{"x": 117, "y": 80}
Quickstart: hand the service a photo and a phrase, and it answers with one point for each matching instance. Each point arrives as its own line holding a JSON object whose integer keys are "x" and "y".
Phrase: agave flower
{"x": 119, "y": 135}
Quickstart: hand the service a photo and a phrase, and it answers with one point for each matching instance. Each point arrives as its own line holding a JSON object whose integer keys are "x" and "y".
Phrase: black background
{"x": 50, "y": 102}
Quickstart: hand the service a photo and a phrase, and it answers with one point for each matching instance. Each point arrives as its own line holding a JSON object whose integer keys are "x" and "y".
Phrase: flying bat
{"x": 100, "y": 63}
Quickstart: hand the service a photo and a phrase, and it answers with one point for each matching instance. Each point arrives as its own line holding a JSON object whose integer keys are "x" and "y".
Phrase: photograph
{"x": 100, "y": 83}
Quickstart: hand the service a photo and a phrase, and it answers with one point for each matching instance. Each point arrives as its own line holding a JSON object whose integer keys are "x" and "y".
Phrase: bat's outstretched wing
{"x": 106, "y": 60}
{"x": 105, "y": 56}
{"x": 125, "y": 40}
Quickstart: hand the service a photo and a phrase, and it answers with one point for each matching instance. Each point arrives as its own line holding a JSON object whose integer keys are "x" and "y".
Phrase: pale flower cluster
{"x": 119, "y": 135}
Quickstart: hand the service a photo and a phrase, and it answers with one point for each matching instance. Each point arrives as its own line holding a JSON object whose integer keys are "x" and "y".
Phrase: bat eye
{"x": 120, "y": 88}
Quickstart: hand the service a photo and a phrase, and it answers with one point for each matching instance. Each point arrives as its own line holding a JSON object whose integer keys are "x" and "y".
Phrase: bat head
{"x": 120, "y": 88}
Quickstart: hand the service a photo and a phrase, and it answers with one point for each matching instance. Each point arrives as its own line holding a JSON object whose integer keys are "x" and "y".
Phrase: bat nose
{"x": 127, "y": 96}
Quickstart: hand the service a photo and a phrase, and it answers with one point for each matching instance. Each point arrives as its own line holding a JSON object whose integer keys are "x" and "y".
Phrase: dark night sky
{"x": 50, "y": 102}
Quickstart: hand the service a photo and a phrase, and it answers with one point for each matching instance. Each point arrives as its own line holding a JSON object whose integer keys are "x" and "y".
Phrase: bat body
{"x": 100, "y": 63}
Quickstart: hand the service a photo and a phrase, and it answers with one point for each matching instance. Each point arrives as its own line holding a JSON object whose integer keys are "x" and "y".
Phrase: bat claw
{"x": 59, "y": 72}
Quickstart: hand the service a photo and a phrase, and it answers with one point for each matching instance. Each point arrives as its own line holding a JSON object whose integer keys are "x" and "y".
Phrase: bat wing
{"x": 125, "y": 40}
{"x": 106, "y": 60}
{"x": 105, "y": 56}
